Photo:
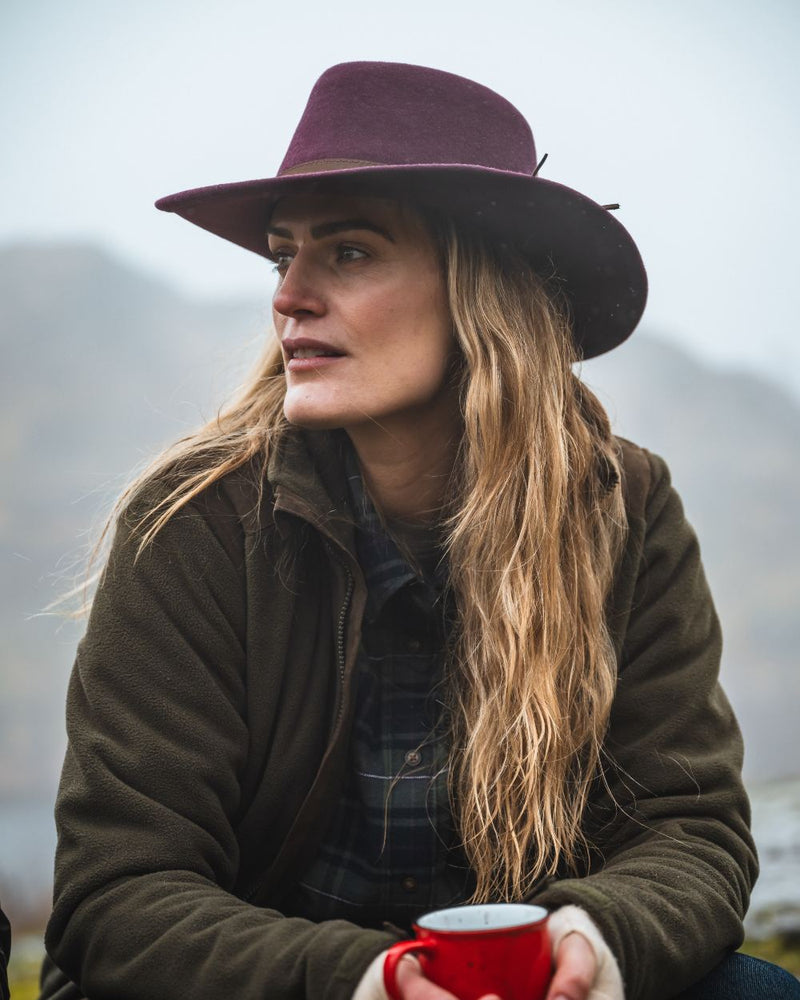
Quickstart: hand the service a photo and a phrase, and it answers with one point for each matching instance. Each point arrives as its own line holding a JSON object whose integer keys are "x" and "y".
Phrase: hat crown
{"x": 444, "y": 142}
{"x": 395, "y": 113}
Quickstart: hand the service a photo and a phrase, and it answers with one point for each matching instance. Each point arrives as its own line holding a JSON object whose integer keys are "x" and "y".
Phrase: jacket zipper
{"x": 302, "y": 510}
{"x": 341, "y": 627}
{"x": 340, "y": 637}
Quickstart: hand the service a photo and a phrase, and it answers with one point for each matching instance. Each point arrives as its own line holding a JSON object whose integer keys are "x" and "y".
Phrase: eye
{"x": 281, "y": 260}
{"x": 347, "y": 252}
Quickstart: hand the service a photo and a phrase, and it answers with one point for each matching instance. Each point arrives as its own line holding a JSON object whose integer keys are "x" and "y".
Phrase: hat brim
{"x": 565, "y": 235}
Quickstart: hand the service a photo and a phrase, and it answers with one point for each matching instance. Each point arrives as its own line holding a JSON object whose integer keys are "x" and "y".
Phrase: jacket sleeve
{"x": 157, "y": 741}
{"x": 5, "y": 952}
{"x": 674, "y": 861}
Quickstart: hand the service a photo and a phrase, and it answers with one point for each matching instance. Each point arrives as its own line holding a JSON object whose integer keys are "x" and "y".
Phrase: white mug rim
{"x": 481, "y": 917}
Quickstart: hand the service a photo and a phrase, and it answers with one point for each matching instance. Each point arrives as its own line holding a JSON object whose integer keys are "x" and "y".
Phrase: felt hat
{"x": 452, "y": 144}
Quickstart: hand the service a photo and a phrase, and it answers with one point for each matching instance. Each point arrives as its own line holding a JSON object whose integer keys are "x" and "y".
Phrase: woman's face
{"x": 361, "y": 313}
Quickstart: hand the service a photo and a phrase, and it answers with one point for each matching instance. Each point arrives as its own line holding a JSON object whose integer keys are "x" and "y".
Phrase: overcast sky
{"x": 684, "y": 111}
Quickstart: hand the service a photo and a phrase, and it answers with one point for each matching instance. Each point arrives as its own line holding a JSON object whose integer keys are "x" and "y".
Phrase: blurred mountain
{"x": 732, "y": 441}
{"x": 102, "y": 365}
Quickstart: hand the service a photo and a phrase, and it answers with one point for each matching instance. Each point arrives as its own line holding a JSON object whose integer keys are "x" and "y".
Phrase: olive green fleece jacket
{"x": 208, "y": 718}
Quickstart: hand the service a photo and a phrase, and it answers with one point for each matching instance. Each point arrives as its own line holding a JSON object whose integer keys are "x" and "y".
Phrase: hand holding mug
{"x": 476, "y": 953}
{"x": 413, "y": 984}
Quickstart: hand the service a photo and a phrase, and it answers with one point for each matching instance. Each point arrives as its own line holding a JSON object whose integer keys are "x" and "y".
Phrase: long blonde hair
{"x": 533, "y": 539}
{"x": 533, "y": 545}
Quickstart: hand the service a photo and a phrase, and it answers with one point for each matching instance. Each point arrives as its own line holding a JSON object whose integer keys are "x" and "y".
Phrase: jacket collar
{"x": 308, "y": 476}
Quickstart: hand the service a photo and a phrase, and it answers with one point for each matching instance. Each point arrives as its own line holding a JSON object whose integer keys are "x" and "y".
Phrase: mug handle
{"x": 392, "y": 960}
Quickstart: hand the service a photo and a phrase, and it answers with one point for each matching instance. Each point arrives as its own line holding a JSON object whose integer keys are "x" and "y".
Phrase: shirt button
{"x": 413, "y": 757}
{"x": 414, "y": 645}
{"x": 409, "y": 884}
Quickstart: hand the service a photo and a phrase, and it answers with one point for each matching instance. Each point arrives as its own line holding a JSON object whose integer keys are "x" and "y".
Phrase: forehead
{"x": 306, "y": 210}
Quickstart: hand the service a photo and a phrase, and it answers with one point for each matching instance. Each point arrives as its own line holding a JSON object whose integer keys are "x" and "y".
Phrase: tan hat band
{"x": 315, "y": 166}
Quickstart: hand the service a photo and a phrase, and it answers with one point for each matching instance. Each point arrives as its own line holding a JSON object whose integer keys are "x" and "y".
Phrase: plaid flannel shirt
{"x": 391, "y": 851}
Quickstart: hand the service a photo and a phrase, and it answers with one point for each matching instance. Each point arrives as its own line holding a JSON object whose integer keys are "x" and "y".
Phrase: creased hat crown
{"x": 373, "y": 113}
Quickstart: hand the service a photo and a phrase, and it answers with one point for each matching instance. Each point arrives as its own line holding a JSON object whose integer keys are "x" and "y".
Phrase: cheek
{"x": 421, "y": 306}
{"x": 440, "y": 341}
{"x": 424, "y": 361}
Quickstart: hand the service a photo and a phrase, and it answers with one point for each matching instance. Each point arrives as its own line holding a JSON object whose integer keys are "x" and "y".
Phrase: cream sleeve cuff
{"x": 569, "y": 919}
{"x": 608, "y": 983}
{"x": 371, "y": 986}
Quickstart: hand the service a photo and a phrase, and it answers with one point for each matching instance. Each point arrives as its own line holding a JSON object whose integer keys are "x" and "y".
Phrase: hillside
{"x": 733, "y": 444}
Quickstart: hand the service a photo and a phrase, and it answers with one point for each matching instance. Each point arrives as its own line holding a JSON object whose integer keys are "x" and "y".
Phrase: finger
{"x": 576, "y": 968}
{"x": 413, "y": 985}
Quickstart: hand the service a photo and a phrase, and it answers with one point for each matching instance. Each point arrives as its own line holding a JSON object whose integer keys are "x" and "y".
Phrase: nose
{"x": 300, "y": 291}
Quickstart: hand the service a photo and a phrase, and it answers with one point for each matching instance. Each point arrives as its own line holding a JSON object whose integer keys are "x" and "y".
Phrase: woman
{"x": 406, "y": 625}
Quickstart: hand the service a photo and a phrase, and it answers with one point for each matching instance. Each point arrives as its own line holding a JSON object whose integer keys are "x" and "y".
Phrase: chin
{"x": 312, "y": 419}
{"x": 311, "y": 412}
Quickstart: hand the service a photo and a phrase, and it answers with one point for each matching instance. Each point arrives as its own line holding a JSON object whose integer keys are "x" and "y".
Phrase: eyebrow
{"x": 331, "y": 228}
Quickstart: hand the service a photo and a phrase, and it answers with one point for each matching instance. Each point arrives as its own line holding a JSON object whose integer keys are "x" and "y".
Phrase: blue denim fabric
{"x": 740, "y": 977}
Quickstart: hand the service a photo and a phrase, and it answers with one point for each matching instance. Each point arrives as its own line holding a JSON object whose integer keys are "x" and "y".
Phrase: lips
{"x": 313, "y": 352}
{"x": 304, "y": 348}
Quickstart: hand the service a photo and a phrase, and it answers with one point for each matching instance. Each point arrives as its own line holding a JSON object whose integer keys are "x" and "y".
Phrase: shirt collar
{"x": 384, "y": 566}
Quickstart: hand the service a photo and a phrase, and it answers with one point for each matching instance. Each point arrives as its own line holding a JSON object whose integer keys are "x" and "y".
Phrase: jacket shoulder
{"x": 238, "y": 500}
{"x": 642, "y": 473}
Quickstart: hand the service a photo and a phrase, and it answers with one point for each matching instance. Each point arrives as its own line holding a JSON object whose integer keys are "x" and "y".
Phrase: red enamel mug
{"x": 501, "y": 948}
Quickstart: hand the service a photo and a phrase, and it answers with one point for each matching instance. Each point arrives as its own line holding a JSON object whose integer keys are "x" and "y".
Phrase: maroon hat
{"x": 451, "y": 144}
